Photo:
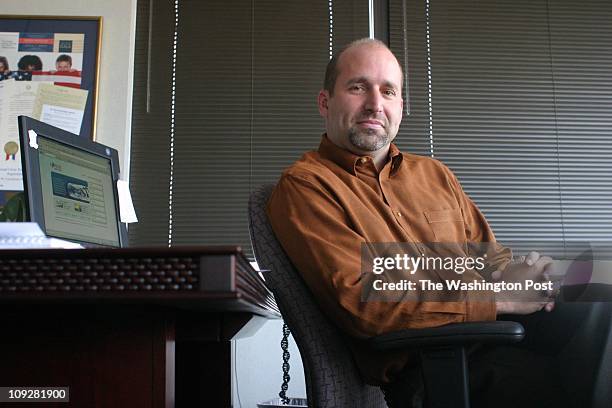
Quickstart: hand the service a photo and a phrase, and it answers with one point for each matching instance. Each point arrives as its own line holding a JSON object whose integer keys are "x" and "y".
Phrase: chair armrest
{"x": 454, "y": 334}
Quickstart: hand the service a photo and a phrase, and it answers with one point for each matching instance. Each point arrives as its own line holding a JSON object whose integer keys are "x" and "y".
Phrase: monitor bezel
{"x": 31, "y": 171}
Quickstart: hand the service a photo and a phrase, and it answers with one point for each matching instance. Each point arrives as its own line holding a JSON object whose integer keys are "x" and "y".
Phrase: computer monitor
{"x": 70, "y": 184}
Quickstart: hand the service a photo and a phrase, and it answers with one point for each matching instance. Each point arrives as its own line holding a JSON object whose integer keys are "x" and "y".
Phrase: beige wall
{"x": 116, "y": 61}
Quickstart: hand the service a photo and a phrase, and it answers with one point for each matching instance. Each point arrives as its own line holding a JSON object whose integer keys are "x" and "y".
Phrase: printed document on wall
{"x": 60, "y": 106}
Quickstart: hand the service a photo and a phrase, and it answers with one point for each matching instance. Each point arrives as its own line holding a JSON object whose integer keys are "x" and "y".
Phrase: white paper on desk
{"x": 126, "y": 207}
{"x": 24, "y": 229}
{"x": 23, "y": 235}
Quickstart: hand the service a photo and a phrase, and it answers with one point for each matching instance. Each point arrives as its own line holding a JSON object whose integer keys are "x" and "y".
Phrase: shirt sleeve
{"x": 317, "y": 236}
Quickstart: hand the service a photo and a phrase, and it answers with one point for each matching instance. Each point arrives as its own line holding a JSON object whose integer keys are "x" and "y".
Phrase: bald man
{"x": 359, "y": 188}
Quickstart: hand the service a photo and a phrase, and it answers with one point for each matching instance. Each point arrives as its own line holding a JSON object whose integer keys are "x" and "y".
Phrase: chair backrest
{"x": 332, "y": 378}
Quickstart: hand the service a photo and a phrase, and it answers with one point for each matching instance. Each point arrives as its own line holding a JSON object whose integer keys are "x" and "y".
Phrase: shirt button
{"x": 399, "y": 214}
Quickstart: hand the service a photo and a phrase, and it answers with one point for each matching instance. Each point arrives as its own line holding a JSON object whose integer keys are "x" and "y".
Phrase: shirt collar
{"x": 348, "y": 160}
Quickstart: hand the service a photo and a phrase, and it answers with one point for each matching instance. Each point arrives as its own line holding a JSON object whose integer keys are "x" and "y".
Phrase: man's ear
{"x": 322, "y": 101}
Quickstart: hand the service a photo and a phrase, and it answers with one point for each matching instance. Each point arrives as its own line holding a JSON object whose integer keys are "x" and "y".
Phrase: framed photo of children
{"x": 49, "y": 71}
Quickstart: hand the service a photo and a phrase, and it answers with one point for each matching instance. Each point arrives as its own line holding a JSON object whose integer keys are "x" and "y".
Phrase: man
{"x": 359, "y": 188}
{"x": 63, "y": 63}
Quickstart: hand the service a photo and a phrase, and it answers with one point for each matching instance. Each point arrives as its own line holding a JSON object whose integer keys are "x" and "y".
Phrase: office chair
{"x": 332, "y": 377}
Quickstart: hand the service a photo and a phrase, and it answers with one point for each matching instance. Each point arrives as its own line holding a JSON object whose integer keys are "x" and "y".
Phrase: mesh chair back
{"x": 332, "y": 378}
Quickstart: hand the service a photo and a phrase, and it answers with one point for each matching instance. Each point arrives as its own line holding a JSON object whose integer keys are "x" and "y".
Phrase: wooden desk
{"x": 137, "y": 327}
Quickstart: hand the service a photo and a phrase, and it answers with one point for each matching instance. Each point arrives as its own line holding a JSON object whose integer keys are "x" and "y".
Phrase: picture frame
{"x": 91, "y": 28}
{"x": 60, "y": 51}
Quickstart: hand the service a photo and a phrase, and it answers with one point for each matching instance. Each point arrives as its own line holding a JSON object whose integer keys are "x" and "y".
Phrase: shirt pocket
{"x": 447, "y": 225}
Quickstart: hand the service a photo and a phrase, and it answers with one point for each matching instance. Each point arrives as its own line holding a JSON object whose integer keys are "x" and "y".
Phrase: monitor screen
{"x": 70, "y": 184}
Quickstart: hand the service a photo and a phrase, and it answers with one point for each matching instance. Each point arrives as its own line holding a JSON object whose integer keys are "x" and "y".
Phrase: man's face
{"x": 63, "y": 66}
{"x": 364, "y": 113}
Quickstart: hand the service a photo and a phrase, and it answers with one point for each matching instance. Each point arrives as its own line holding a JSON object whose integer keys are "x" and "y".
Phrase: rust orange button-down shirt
{"x": 331, "y": 201}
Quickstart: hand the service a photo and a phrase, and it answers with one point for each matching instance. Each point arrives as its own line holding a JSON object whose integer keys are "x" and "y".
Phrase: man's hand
{"x": 532, "y": 267}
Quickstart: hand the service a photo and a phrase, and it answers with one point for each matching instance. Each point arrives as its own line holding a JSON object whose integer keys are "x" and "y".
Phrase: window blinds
{"x": 247, "y": 77}
{"x": 515, "y": 97}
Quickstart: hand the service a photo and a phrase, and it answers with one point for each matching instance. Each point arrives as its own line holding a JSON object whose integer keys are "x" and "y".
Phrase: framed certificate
{"x": 49, "y": 71}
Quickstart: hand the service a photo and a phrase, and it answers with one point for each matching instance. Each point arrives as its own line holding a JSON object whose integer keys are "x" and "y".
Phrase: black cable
{"x": 286, "y": 378}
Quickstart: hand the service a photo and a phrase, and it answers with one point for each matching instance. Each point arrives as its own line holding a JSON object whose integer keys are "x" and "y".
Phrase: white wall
{"x": 258, "y": 373}
{"x": 116, "y": 62}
